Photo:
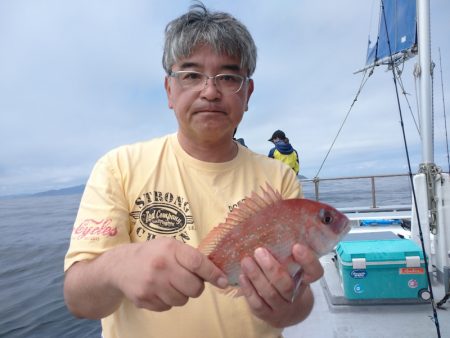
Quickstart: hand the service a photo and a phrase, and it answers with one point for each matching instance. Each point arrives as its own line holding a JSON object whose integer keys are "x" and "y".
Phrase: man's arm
{"x": 89, "y": 290}
{"x": 155, "y": 275}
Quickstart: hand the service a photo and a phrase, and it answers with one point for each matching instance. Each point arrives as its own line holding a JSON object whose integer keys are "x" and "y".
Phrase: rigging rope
{"x": 363, "y": 82}
{"x": 447, "y": 296}
{"x": 443, "y": 106}
{"x": 399, "y": 73}
{"x": 433, "y": 304}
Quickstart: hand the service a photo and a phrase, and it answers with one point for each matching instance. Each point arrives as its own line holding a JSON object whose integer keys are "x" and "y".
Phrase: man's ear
{"x": 250, "y": 88}
{"x": 168, "y": 91}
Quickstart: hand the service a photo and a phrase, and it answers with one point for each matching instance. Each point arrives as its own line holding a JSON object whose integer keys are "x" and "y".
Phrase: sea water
{"x": 34, "y": 237}
{"x": 357, "y": 192}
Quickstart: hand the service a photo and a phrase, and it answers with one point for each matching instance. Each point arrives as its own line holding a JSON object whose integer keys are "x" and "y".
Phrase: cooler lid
{"x": 394, "y": 250}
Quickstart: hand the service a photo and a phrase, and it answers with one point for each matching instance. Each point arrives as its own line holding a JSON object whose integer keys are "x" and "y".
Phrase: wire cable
{"x": 433, "y": 304}
{"x": 363, "y": 82}
{"x": 398, "y": 73}
{"x": 445, "y": 116}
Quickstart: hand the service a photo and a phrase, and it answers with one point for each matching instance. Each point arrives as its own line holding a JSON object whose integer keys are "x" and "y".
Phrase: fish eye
{"x": 327, "y": 218}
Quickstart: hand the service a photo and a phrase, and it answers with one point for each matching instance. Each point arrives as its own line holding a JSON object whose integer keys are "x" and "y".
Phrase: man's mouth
{"x": 210, "y": 111}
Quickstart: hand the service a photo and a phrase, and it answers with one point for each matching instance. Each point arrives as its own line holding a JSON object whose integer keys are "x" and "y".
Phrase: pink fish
{"x": 276, "y": 224}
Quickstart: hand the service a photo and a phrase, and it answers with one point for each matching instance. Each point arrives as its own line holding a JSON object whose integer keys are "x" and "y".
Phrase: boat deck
{"x": 370, "y": 320}
{"x": 334, "y": 316}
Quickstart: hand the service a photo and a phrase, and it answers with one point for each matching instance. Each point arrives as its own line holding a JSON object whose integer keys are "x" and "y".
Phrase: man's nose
{"x": 210, "y": 88}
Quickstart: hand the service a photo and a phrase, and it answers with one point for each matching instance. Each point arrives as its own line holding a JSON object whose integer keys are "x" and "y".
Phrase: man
{"x": 133, "y": 260}
{"x": 284, "y": 151}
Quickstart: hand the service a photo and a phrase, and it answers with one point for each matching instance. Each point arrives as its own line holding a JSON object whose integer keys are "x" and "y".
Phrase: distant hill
{"x": 80, "y": 188}
{"x": 66, "y": 191}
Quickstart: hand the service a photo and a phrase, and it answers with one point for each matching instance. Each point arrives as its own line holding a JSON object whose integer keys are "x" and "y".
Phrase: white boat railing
{"x": 361, "y": 194}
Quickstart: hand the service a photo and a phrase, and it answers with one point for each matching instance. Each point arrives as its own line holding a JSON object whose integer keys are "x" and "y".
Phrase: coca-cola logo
{"x": 162, "y": 218}
{"x": 93, "y": 229}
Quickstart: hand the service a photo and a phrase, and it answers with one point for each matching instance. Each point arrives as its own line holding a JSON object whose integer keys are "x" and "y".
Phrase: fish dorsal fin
{"x": 271, "y": 194}
{"x": 251, "y": 205}
{"x": 245, "y": 209}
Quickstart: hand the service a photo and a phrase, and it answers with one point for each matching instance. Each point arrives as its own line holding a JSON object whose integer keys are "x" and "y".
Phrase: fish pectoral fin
{"x": 208, "y": 243}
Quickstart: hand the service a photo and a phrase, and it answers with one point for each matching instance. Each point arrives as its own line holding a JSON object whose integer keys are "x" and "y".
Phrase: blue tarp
{"x": 401, "y": 27}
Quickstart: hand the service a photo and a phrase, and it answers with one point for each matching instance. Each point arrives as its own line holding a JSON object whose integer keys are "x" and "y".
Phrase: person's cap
{"x": 277, "y": 134}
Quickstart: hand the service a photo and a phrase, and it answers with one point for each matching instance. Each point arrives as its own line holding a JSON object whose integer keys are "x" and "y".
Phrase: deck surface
{"x": 332, "y": 317}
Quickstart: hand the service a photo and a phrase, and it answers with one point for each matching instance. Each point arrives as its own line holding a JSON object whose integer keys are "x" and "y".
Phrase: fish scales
{"x": 266, "y": 228}
{"x": 276, "y": 224}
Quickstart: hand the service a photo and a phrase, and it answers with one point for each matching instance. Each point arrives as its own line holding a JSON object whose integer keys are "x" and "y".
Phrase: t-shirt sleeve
{"x": 292, "y": 187}
{"x": 102, "y": 221}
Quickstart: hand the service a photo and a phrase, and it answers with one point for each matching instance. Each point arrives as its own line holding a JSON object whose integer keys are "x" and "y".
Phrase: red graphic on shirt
{"x": 92, "y": 229}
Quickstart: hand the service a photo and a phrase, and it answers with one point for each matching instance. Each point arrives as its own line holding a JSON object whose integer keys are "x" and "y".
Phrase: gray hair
{"x": 219, "y": 30}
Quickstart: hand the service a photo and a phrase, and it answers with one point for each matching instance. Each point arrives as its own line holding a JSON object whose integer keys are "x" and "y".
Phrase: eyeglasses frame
{"x": 207, "y": 77}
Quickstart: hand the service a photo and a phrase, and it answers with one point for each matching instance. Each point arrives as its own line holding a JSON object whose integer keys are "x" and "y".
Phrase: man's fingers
{"x": 193, "y": 260}
{"x": 312, "y": 270}
{"x": 275, "y": 273}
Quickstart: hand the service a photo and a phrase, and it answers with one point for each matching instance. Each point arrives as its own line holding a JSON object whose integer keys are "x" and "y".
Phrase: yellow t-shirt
{"x": 138, "y": 192}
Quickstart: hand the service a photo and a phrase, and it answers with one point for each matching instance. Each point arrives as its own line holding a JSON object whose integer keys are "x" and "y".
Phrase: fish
{"x": 267, "y": 220}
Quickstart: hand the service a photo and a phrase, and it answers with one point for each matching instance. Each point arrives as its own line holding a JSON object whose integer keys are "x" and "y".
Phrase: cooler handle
{"x": 412, "y": 261}
{"x": 358, "y": 263}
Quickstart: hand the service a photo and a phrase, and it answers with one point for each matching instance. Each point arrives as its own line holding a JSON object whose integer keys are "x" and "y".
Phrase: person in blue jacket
{"x": 240, "y": 140}
{"x": 284, "y": 151}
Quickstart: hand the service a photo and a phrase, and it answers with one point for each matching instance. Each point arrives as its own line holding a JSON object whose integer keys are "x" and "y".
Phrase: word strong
{"x": 162, "y": 214}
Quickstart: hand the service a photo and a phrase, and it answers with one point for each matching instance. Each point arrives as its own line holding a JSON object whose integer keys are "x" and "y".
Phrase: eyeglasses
{"x": 196, "y": 81}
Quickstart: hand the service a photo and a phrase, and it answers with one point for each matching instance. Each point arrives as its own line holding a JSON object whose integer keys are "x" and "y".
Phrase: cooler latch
{"x": 412, "y": 261}
{"x": 358, "y": 263}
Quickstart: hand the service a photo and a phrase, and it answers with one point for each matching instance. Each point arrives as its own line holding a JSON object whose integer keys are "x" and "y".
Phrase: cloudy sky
{"x": 78, "y": 78}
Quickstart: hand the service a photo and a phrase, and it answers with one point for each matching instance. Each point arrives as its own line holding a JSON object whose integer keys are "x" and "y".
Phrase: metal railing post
{"x": 374, "y": 198}
{"x": 316, "y": 187}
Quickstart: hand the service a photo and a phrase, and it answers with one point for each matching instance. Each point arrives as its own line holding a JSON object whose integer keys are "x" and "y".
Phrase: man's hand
{"x": 155, "y": 275}
{"x": 165, "y": 273}
{"x": 272, "y": 294}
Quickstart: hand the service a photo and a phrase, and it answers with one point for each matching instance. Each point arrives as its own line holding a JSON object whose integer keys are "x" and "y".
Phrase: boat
{"x": 425, "y": 222}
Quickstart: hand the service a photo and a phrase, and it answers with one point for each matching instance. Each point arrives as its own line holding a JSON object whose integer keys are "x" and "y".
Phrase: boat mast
{"x": 425, "y": 109}
{"x": 432, "y": 184}
{"x": 424, "y": 73}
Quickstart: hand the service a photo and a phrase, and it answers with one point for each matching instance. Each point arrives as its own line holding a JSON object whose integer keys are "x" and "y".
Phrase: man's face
{"x": 208, "y": 115}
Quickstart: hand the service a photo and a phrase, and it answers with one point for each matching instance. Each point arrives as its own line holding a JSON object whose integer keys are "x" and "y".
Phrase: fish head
{"x": 322, "y": 226}
{"x": 333, "y": 219}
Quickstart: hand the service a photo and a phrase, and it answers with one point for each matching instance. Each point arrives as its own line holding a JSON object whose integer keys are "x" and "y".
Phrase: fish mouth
{"x": 347, "y": 227}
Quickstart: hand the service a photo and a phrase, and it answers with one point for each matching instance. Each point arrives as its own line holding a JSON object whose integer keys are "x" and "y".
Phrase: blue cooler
{"x": 381, "y": 268}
